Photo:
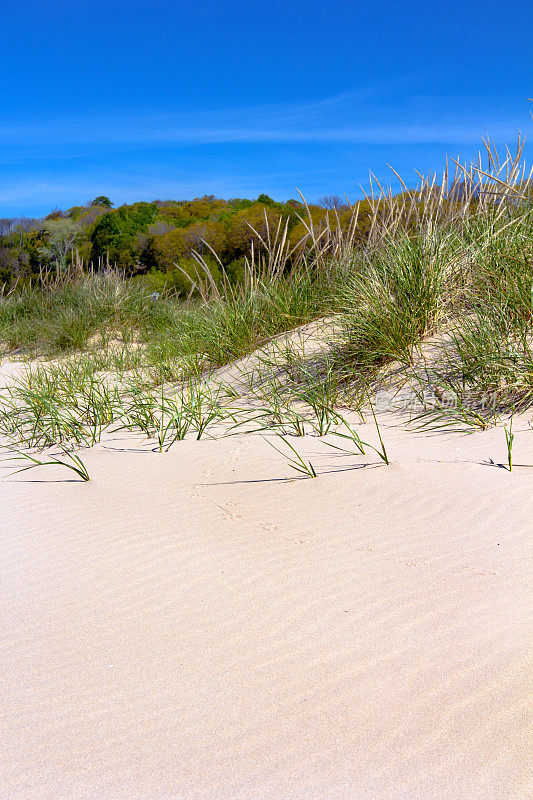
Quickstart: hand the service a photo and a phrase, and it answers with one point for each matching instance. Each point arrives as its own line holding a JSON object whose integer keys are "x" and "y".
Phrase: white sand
{"x": 190, "y": 625}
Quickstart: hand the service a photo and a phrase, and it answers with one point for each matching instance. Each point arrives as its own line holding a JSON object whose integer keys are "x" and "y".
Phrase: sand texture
{"x": 194, "y": 625}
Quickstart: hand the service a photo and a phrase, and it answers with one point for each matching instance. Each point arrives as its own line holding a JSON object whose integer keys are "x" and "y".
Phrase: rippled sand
{"x": 192, "y": 625}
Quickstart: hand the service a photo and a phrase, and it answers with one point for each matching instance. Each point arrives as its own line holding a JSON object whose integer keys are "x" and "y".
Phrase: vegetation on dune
{"x": 450, "y": 263}
{"x": 149, "y": 239}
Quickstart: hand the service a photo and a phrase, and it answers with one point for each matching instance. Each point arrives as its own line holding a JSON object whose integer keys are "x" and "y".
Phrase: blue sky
{"x": 141, "y": 100}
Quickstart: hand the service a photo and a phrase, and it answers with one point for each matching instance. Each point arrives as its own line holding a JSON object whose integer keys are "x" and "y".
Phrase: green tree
{"x": 61, "y": 237}
{"x": 265, "y": 200}
{"x": 116, "y": 234}
{"x": 103, "y": 201}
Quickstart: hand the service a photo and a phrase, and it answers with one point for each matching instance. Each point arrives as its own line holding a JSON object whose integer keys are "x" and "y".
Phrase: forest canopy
{"x": 150, "y": 239}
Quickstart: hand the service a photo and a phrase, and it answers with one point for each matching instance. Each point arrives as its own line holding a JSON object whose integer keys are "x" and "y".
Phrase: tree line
{"x": 152, "y": 238}
{"x": 161, "y": 241}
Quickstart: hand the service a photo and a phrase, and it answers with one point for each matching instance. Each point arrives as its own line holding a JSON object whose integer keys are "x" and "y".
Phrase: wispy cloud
{"x": 350, "y": 118}
{"x": 322, "y": 146}
{"x": 130, "y": 188}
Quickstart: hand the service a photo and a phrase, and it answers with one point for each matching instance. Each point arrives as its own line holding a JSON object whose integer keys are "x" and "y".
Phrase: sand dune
{"x": 194, "y": 625}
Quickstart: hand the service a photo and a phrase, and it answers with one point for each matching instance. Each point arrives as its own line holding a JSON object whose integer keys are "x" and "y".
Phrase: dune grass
{"x": 69, "y": 460}
{"x": 459, "y": 272}
{"x": 509, "y": 441}
{"x": 293, "y": 458}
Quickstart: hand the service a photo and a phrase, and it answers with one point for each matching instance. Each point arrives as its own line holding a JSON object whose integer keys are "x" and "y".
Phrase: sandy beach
{"x": 199, "y": 625}
{"x": 266, "y": 401}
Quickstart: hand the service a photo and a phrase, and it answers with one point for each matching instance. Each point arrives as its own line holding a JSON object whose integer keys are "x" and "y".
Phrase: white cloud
{"x": 350, "y": 118}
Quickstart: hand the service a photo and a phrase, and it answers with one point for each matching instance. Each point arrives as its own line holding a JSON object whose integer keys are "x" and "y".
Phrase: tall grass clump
{"x": 395, "y": 296}
{"x": 453, "y": 262}
{"x": 485, "y": 355}
{"x": 227, "y": 326}
{"x": 65, "y": 313}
